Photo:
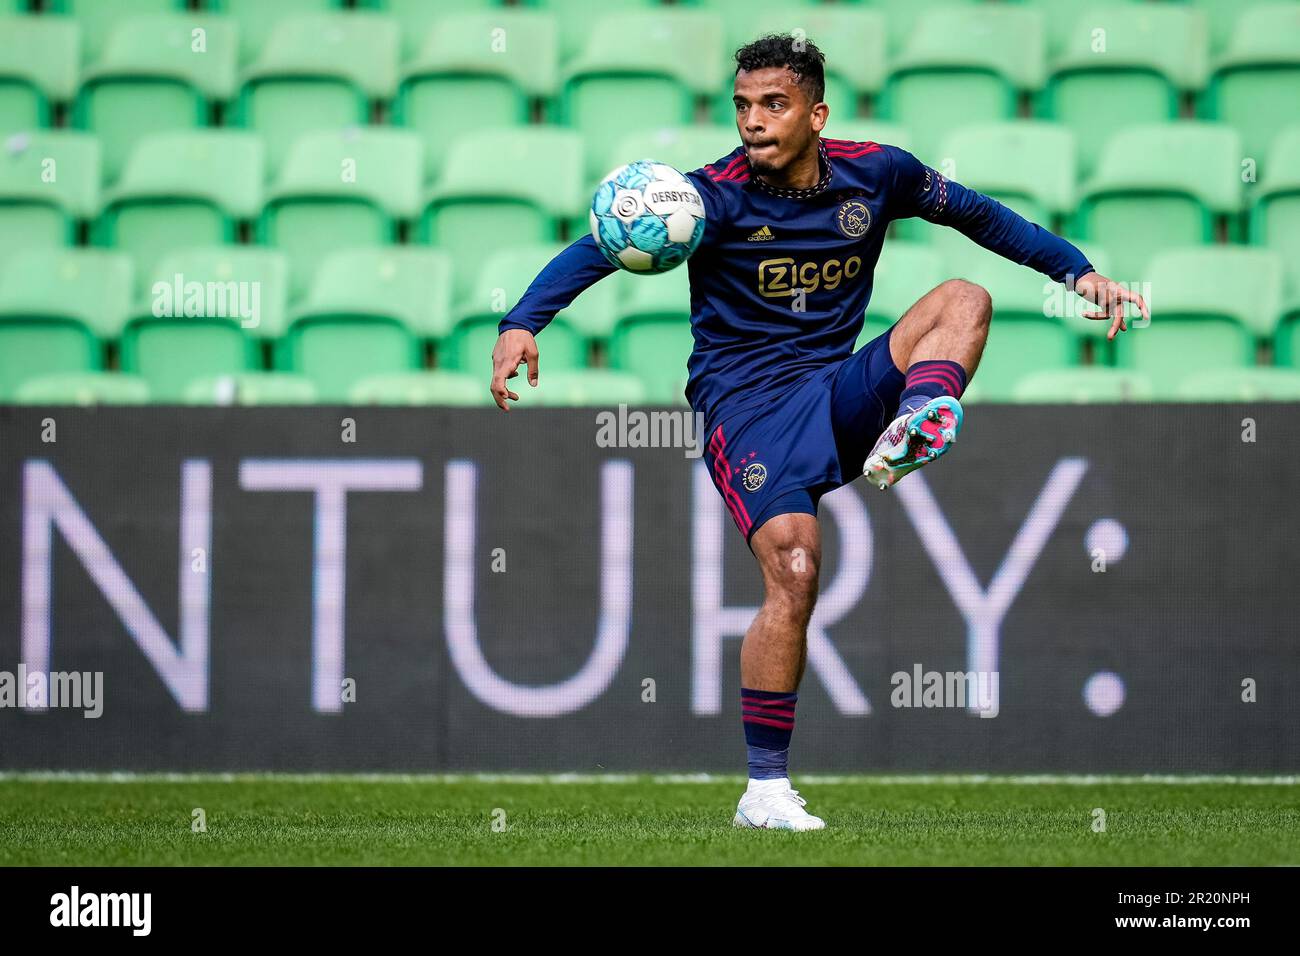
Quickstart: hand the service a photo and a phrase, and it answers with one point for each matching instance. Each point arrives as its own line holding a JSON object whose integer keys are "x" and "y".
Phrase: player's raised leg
{"x": 937, "y": 345}
{"x": 772, "y": 657}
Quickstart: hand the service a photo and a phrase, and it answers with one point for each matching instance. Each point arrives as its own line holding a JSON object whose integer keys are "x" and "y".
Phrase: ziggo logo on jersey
{"x": 779, "y": 278}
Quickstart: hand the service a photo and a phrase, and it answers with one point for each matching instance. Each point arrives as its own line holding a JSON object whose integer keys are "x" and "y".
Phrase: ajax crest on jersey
{"x": 647, "y": 217}
{"x": 854, "y": 218}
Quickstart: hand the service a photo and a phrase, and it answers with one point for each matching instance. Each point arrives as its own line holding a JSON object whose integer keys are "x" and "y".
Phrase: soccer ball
{"x": 647, "y": 217}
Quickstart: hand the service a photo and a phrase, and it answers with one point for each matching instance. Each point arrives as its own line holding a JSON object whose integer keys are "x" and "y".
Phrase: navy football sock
{"x": 769, "y": 721}
{"x": 930, "y": 379}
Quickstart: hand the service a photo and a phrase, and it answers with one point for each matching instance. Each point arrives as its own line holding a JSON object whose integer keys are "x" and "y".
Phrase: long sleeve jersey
{"x": 781, "y": 279}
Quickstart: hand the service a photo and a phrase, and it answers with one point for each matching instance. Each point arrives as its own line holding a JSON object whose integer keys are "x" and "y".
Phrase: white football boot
{"x": 912, "y": 440}
{"x": 774, "y": 805}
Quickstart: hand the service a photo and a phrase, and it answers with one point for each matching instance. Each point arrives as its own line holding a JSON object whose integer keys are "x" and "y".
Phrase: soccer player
{"x": 779, "y": 287}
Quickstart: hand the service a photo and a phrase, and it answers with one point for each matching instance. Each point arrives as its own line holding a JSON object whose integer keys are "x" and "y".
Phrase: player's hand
{"x": 514, "y": 348}
{"x": 1111, "y": 296}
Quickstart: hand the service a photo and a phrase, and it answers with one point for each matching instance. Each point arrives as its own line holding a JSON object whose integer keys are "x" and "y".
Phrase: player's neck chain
{"x": 808, "y": 193}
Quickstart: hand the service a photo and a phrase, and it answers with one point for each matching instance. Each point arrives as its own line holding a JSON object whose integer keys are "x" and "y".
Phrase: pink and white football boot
{"x": 912, "y": 440}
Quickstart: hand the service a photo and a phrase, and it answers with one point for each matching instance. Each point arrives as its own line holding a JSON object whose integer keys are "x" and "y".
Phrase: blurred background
{"x": 387, "y": 176}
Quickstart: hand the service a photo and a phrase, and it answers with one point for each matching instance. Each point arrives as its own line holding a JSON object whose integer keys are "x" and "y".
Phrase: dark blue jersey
{"x": 781, "y": 280}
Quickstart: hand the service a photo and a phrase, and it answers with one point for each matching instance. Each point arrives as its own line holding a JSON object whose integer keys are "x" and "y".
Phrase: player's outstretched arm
{"x": 576, "y": 267}
{"x": 514, "y": 347}
{"x": 921, "y": 191}
{"x": 1111, "y": 296}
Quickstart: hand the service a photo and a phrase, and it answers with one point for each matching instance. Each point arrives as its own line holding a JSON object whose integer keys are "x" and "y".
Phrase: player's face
{"x": 777, "y": 121}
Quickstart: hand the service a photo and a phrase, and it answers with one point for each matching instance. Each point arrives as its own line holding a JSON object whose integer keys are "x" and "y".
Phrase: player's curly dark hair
{"x": 797, "y": 53}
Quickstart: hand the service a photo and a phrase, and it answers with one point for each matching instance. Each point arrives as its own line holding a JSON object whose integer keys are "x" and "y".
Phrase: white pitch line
{"x": 1045, "y": 779}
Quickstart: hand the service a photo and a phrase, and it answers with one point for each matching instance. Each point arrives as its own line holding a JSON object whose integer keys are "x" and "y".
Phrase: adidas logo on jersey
{"x": 762, "y": 235}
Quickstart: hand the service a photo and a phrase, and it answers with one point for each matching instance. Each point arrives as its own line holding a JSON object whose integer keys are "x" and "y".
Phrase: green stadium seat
{"x": 592, "y": 387}
{"x": 32, "y": 347}
{"x": 1060, "y": 17}
{"x": 1222, "y": 16}
{"x": 652, "y": 338}
{"x": 422, "y": 388}
{"x": 48, "y": 181}
{"x": 490, "y": 65}
{"x": 683, "y": 147}
{"x": 149, "y": 79}
{"x": 182, "y": 189}
{"x": 741, "y": 18}
{"x": 901, "y": 18}
{"x": 367, "y": 311}
{"x": 1242, "y": 385}
{"x": 317, "y": 72}
{"x": 1025, "y": 164}
{"x": 1286, "y": 344}
{"x": 409, "y": 283}
{"x": 574, "y": 18}
{"x": 905, "y": 272}
{"x": 55, "y": 307}
{"x": 1209, "y": 305}
{"x": 1275, "y": 206}
{"x": 415, "y": 18}
{"x": 253, "y": 279}
{"x": 1083, "y": 386}
{"x": 251, "y": 388}
{"x": 172, "y": 349}
{"x": 39, "y": 60}
{"x": 85, "y": 388}
{"x": 655, "y": 350}
{"x": 257, "y": 19}
{"x": 1160, "y": 186}
{"x": 677, "y": 56}
{"x": 853, "y": 39}
{"x": 1275, "y": 223}
{"x": 963, "y": 65}
{"x": 500, "y": 284}
{"x": 508, "y": 272}
{"x": 1256, "y": 82}
{"x": 96, "y": 19}
{"x": 91, "y": 287}
{"x": 313, "y": 210}
{"x": 1152, "y": 53}
{"x": 337, "y": 352}
{"x": 482, "y": 199}
{"x": 1028, "y": 330}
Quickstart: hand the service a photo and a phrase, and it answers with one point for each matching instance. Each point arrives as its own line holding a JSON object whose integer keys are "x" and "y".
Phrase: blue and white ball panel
{"x": 646, "y": 217}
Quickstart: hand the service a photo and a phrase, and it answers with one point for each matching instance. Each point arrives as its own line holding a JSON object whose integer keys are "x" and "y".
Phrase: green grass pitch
{"x": 79, "y": 820}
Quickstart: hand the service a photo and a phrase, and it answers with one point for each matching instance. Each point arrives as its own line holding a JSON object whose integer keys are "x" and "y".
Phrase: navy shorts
{"x": 782, "y": 457}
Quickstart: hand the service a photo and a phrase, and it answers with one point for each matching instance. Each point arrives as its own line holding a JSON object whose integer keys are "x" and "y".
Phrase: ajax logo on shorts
{"x": 754, "y": 475}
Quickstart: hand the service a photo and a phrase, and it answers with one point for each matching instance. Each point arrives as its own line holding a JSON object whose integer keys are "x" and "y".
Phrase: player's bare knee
{"x": 792, "y": 579}
{"x": 967, "y": 304}
{"x": 792, "y": 600}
